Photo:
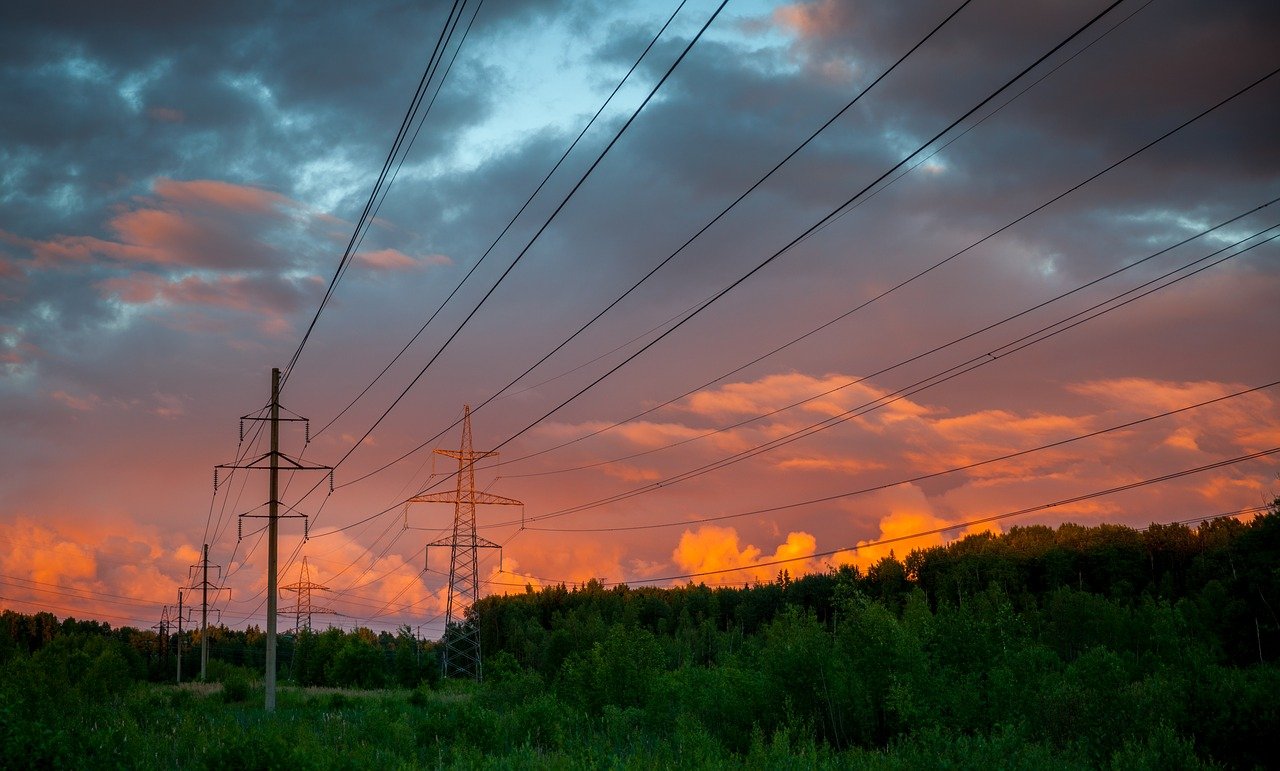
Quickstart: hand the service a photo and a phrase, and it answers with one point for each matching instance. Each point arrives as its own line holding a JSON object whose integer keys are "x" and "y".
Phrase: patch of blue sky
{"x": 15, "y": 166}
{"x": 1169, "y": 223}
{"x": 554, "y": 84}
{"x": 132, "y": 87}
{"x": 76, "y": 66}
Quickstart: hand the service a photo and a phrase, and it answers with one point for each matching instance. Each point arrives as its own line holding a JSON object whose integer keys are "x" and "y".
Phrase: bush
{"x": 420, "y": 696}
{"x": 235, "y": 688}
{"x": 221, "y": 671}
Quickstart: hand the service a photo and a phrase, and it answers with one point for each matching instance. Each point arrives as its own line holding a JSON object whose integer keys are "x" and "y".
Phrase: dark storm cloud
{"x": 112, "y": 95}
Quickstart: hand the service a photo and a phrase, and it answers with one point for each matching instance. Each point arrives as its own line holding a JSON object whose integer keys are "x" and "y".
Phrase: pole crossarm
{"x": 263, "y": 463}
{"x": 477, "y": 497}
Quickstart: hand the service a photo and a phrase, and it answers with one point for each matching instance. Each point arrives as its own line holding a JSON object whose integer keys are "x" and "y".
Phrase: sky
{"x": 934, "y": 286}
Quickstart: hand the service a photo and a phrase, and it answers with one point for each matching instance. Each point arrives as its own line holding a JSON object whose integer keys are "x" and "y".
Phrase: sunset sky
{"x": 180, "y": 181}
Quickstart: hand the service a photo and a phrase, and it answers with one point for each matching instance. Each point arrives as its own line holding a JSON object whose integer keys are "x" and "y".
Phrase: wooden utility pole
{"x": 179, "y": 645}
{"x": 273, "y": 540}
{"x": 272, "y": 461}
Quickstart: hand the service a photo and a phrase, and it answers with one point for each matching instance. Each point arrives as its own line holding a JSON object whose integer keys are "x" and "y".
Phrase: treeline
{"x": 1078, "y": 640}
{"x": 333, "y": 657}
{"x": 1070, "y": 647}
{"x": 1220, "y": 576}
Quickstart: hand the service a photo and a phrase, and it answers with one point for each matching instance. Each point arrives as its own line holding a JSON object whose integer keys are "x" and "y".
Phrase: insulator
{"x": 242, "y": 429}
{"x": 239, "y": 529}
{"x": 306, "y": 528}
{"x": 331, "y": 482}
{"x": 215, "y": 480}
{"x": 307, "y": 431}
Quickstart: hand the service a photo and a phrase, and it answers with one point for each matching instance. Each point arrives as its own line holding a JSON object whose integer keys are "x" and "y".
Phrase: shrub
{"x": 235, "y": 688}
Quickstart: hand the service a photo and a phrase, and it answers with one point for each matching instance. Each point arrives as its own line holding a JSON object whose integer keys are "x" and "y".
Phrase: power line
{"x": 97, "y": 614}
{"x": 975, "y": 362}
{"x": 809, "y": 230}
{"x": 908, "y": 480}
{"x": 767, "y": 261}
{"x": 868, "y": 198}
{"x": 511, "y": 222}
{"x": 778, "y": 253}
{"x": 967, "y": 524}
{"x": 432, "y": 63}
{"x": 1251, "y": 510}
{"x": 66, "y": 591}
{"x": 849, "y": 105}
{"x": 539, "y": 232}
{"x": 864, "y": 378}
{"x": 528, "y": 201}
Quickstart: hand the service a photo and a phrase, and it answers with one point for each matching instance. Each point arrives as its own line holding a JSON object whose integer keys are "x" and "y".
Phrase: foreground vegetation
{"x": 1074, "y": 648}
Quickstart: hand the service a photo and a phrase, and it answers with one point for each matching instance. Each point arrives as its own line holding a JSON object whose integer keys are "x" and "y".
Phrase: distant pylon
{"x": 461, "y": 656}
{"x": 162, "y": 635}
{"x": 204, "y": 585}
{"x": 303, "y": 608}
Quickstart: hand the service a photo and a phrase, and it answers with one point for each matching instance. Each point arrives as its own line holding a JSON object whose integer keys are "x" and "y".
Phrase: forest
{"x": 1067, "y": 647}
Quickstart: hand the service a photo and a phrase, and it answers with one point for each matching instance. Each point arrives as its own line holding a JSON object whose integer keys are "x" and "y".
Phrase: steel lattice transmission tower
{"x": 461, "y": 637}
{"x": 303, "y": 608}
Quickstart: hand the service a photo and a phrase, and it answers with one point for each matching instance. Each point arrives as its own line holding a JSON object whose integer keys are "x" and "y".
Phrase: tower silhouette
{"x": 461, "y": 654}
{"x": 303, "y": 608}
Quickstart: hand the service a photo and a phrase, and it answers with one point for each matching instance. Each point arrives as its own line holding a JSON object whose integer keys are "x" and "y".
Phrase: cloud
{"x": 844, "y": 465}
{"x": 713, "y": 548}
{"x": 909, "y": 512}
{"x": 166, "y": 114}
{"x": 628, "y": 473}
{"x": 94, "y": 570}
{"x": 78, "y": 403}
{"x": 216, "y": 195}
{"x": 507, "y": 578}
{"x": 197, "y": 223}
{"x": 234, "y": 292}
{"x": 170, "y": 192}
{"x": 395, "y": 260}
{"x": 830, "y": 395}
{"x": 817, "y": 20}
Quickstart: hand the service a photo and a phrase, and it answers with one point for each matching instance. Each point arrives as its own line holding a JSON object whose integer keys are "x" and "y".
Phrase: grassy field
{"x": 465, "y": 726}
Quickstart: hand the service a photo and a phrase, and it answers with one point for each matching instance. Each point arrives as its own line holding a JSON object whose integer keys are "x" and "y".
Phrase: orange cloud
{"x": 393, "y": 259}
{"x": 628, "y": 473}
{"x": 508, "y": 579}
{"x": 268, "y": 298}
{"x": 717, "y": 548}
{"x": 818, "y": 19}
{"x": 221, "y": 195}
{"x": 77, "y": 403}
{"x": 199, "y": 223}
{"x": 845, "y": 465}
{"x": 91, "y": 570}
{"x": 9, "y": 270}
{"x": 909, "y": 513}
{"x": 649, "y": 434}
